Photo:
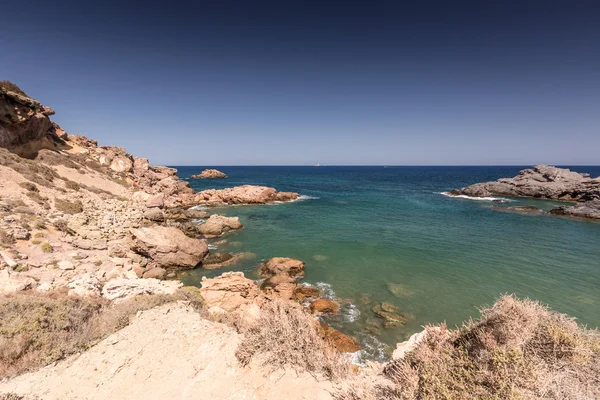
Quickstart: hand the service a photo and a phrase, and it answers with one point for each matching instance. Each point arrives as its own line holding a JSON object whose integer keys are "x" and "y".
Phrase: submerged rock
{"x": 388, "y": 312}
{"x": 209, "y": 174}
{"x": 589, "y": 209}
{"x": 399, "y": 290}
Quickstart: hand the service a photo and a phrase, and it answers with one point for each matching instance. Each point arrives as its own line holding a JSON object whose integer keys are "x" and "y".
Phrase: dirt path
{"x": 167, "y": 353}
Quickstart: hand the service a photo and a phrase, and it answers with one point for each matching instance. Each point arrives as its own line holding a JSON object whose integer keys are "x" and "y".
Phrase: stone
{"x": 124, "y": 288}
{"x": 20, "y": 233}
{"x": 342, "y": 342}
{"x": 217, "y": 225}
{"x": 399, "y": 290}
{"x": 282, "y": 286}
{"x": 11, "y": 282}
{"x": 303, "y": 292}
{"x": 169, "y": 247}
{"x": 195, "y": 214}
{"x": 230, "y": 291}
{"x": 154, "y": 214}
{"x": 86, "y": 285}
{"x": 66, "y": 265}
{"x": 282, "y": 265}
{"x": 246, "y": 194}
{"x": 209, "y": 174}
{"x": 156, "y": 273}
{"x": 388, "y": 312}
{"x": 589, "y": 210}
{"x": 8, "y": 259}
{"x": 324, "y": 306}
{"x": 157, "y": 200}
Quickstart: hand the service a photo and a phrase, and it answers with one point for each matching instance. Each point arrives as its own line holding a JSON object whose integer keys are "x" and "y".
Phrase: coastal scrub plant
{"x": 284, "y": 335}
{"x": 517, "y": 349}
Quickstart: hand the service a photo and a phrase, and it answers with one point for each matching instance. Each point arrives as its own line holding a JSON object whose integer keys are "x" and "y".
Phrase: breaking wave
{"x": 464, "y": 196}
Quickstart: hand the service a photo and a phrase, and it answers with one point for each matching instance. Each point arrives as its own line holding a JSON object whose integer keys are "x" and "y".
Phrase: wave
{"x": 349, "y": 312}
{"x": 464, "y": 196}
{"x": 372, "y": 349}
{"x": 212, "y": 247}
{"x": 199, "y": 208}
{"x": 327, "y": 290}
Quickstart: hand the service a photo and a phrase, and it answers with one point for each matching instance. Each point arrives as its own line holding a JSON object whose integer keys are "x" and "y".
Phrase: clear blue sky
{"x": 303, "y": 82}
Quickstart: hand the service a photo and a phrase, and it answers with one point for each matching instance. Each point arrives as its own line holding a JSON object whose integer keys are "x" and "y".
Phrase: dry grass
{"x": 69, "y": 207}
{"x": 286, "y": 336}
{"x": 36, "y": 330}
{"x": 46, "y": 247}
{"x": 518, "y": 349}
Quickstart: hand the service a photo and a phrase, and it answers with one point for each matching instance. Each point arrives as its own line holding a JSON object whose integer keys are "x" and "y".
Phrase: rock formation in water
{"x": 545, "y": 182}
{"x": 209, "y": 174}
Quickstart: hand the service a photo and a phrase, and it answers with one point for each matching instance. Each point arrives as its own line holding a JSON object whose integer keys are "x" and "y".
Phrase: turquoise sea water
{"x": 361, "y": 228}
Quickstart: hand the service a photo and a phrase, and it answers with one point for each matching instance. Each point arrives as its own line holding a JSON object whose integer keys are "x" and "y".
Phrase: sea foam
{"x": 464, "y": 196}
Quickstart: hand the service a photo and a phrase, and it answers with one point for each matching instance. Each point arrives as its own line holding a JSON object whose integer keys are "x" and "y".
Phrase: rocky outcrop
{"x": 121, "y": 289}
{"x": 282, "y": 265}
{"x": 217, "y": 225}
{"x": 209, "y": 174}
{"x": 541, "y": 181}
{"x": 324, "y": 306}
{"x": 342, "y": 342}
{"x": 24, "y": 124}
{"x": 229, "y": 292}
{"x": 588, "y": 210}
{"x": 169, "y": 247}
{"x": 246, "y": 194}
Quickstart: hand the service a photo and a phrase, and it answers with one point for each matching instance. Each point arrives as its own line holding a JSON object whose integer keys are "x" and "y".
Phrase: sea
{"x": 372, "y": 234}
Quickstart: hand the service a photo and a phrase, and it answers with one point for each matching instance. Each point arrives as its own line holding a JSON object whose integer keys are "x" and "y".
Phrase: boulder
{"x": 303, "y": 292}
{"x": 324, "y": 306}
{"x": 230, "y": 291}
{"x": 86, "y": 285}
{"x": 154, "y": 214}
{"x": 209, "y": 174}
{"x": 282, "y": 286}
{"x": 246, "y": 194}
{"x": 121, "y": 163}
{"x": 156, "y": 273}
{"x": 66, "y": 265}
{"x": 124, "y": 288}
{"x": 157, "y": 200}
{"x": 389, "y": 314}
{"x": 169, "y": 247}
{"x": 217, "y": 225}
{"x": 195, "y": 214}
{"x": 342, "y": 342}
{"x": 11, "y": 282}
{"x": 282, "y": 265}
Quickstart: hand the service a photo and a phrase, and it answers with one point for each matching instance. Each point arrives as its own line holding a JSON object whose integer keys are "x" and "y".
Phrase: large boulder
{"x": 282, "y": 265}
{"x": 246, "y": 194}
{"x": 228, "y": 292}
{"x": 216, "y": 225}
{"x": 11, "y": 282}
{"x": 123, "y": 288}
{"x": 589, "y": 210}
{"x": 169, "y": 247}
{"x": 342, "y": 342}
{"x": 209, "y": 174}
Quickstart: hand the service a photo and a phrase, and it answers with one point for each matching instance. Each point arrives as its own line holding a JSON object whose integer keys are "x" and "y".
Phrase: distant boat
{"x": 317, "y": 165}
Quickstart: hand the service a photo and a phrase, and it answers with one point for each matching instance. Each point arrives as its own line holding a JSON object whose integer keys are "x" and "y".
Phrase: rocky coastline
{"x": 96, "y": 221}
{"x": 545, "y": 182}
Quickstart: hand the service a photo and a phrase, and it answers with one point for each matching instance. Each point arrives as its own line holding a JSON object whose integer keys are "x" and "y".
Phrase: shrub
{"x": 29, "y": 186}
{"x": 69, "y": 207}
{"x": 36, "y": 329}
{"x": 72, "y": 185}
{"x": 47, "y": 247}
{"x": 285, "y": 335}
{"x": 516, "y": 349}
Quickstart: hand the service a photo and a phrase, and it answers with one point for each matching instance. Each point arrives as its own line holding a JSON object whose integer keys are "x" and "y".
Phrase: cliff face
{"x": 24, "y": 124}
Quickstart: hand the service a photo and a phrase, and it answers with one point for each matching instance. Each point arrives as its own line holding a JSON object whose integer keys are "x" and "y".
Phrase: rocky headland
{"x": 209, "y": 174}
{"x": 545, "y": 182}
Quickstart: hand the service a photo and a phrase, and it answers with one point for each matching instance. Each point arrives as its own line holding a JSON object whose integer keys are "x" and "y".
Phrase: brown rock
{"x": 229, "y": 292}
{"x": 169, "y": 247}
{"x": 209, "y": 174}
{"x": 342, "y": 342}
{"x": 324, "y": 306}
{"x": 217, "y": 225}
{"x": 302, "y": 292}
{"x": 157, "y": 200}
{"x": 246, "y": 194}
{"x": 282, "y": 265}
{"x": 156, "y": 272}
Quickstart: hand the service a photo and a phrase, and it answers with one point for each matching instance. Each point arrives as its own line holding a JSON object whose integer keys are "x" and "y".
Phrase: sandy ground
{"x": 167, "y": 353}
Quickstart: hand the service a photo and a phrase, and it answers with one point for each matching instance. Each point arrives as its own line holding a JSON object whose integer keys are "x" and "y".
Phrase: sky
{"x": 303, "y": 82}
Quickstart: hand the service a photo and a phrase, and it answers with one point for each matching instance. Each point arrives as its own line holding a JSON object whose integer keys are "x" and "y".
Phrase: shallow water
{"x": 365, "y": 230}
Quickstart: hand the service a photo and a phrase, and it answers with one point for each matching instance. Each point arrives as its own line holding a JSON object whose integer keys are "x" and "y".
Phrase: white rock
{"x": 85, "y": 286}
{"x": 66, "y": 265}
{"x": 8, "y": 259}
{"x": 120, "y": 289}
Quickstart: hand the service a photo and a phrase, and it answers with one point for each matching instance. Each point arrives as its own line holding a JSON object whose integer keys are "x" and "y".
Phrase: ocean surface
{"x": 374, "y": 234}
